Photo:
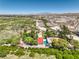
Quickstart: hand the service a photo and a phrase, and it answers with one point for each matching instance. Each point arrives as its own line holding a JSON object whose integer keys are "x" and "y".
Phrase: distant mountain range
{"x": 42, "y": 14}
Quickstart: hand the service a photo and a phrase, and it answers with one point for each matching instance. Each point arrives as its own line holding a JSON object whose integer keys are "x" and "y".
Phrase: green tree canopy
{"x": 59, "y": 43}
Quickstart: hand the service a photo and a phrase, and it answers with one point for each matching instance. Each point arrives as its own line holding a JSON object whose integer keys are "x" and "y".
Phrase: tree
{"x": 62, "y": 35}
{"x": 25, "y": 34}
{"x": 30, "y": 40}
{"x": 64, "y": 32}
{"x": 59, "y": 43}
{"x": 49, "y": 33}
{"x": 65, "y": 29}
{"x": 32, "y": 33}
{"x": 75, "y": 43}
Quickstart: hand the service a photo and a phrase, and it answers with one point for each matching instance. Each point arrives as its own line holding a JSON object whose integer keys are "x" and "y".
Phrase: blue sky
{"x": 38, "y": 6}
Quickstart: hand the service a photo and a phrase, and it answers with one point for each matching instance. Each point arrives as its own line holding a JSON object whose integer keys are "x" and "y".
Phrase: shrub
{"x": 3, "y": 41}
{"x": 75, "y": 43}
{"x": 67, "y": 56}
{"x": 76, "y": 56}
{"x": 58, "y": 56}
{"x": 3, "y": 51}
{"x": 67, "y": 52}
{"x": 19, "y": 52}
{"x": 59, "y": 43}
{"x": 31, "y": 54}
{"x": 29, "y": 40}
{"x": 34, "y": 42}
{"x": 3, "y": 54}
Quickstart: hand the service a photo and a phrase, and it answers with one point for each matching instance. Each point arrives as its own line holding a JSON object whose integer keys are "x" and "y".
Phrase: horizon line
{"x": 37, "y": 13}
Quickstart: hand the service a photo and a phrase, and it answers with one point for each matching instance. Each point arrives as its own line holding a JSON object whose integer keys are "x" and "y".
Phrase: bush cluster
{"x": 4, "y": 51}
{"x": 60, "y": 54}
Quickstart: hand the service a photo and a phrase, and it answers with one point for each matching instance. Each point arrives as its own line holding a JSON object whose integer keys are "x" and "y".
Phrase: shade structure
{"x": 45, "y": 42}
{"x": 40, "y": 40}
